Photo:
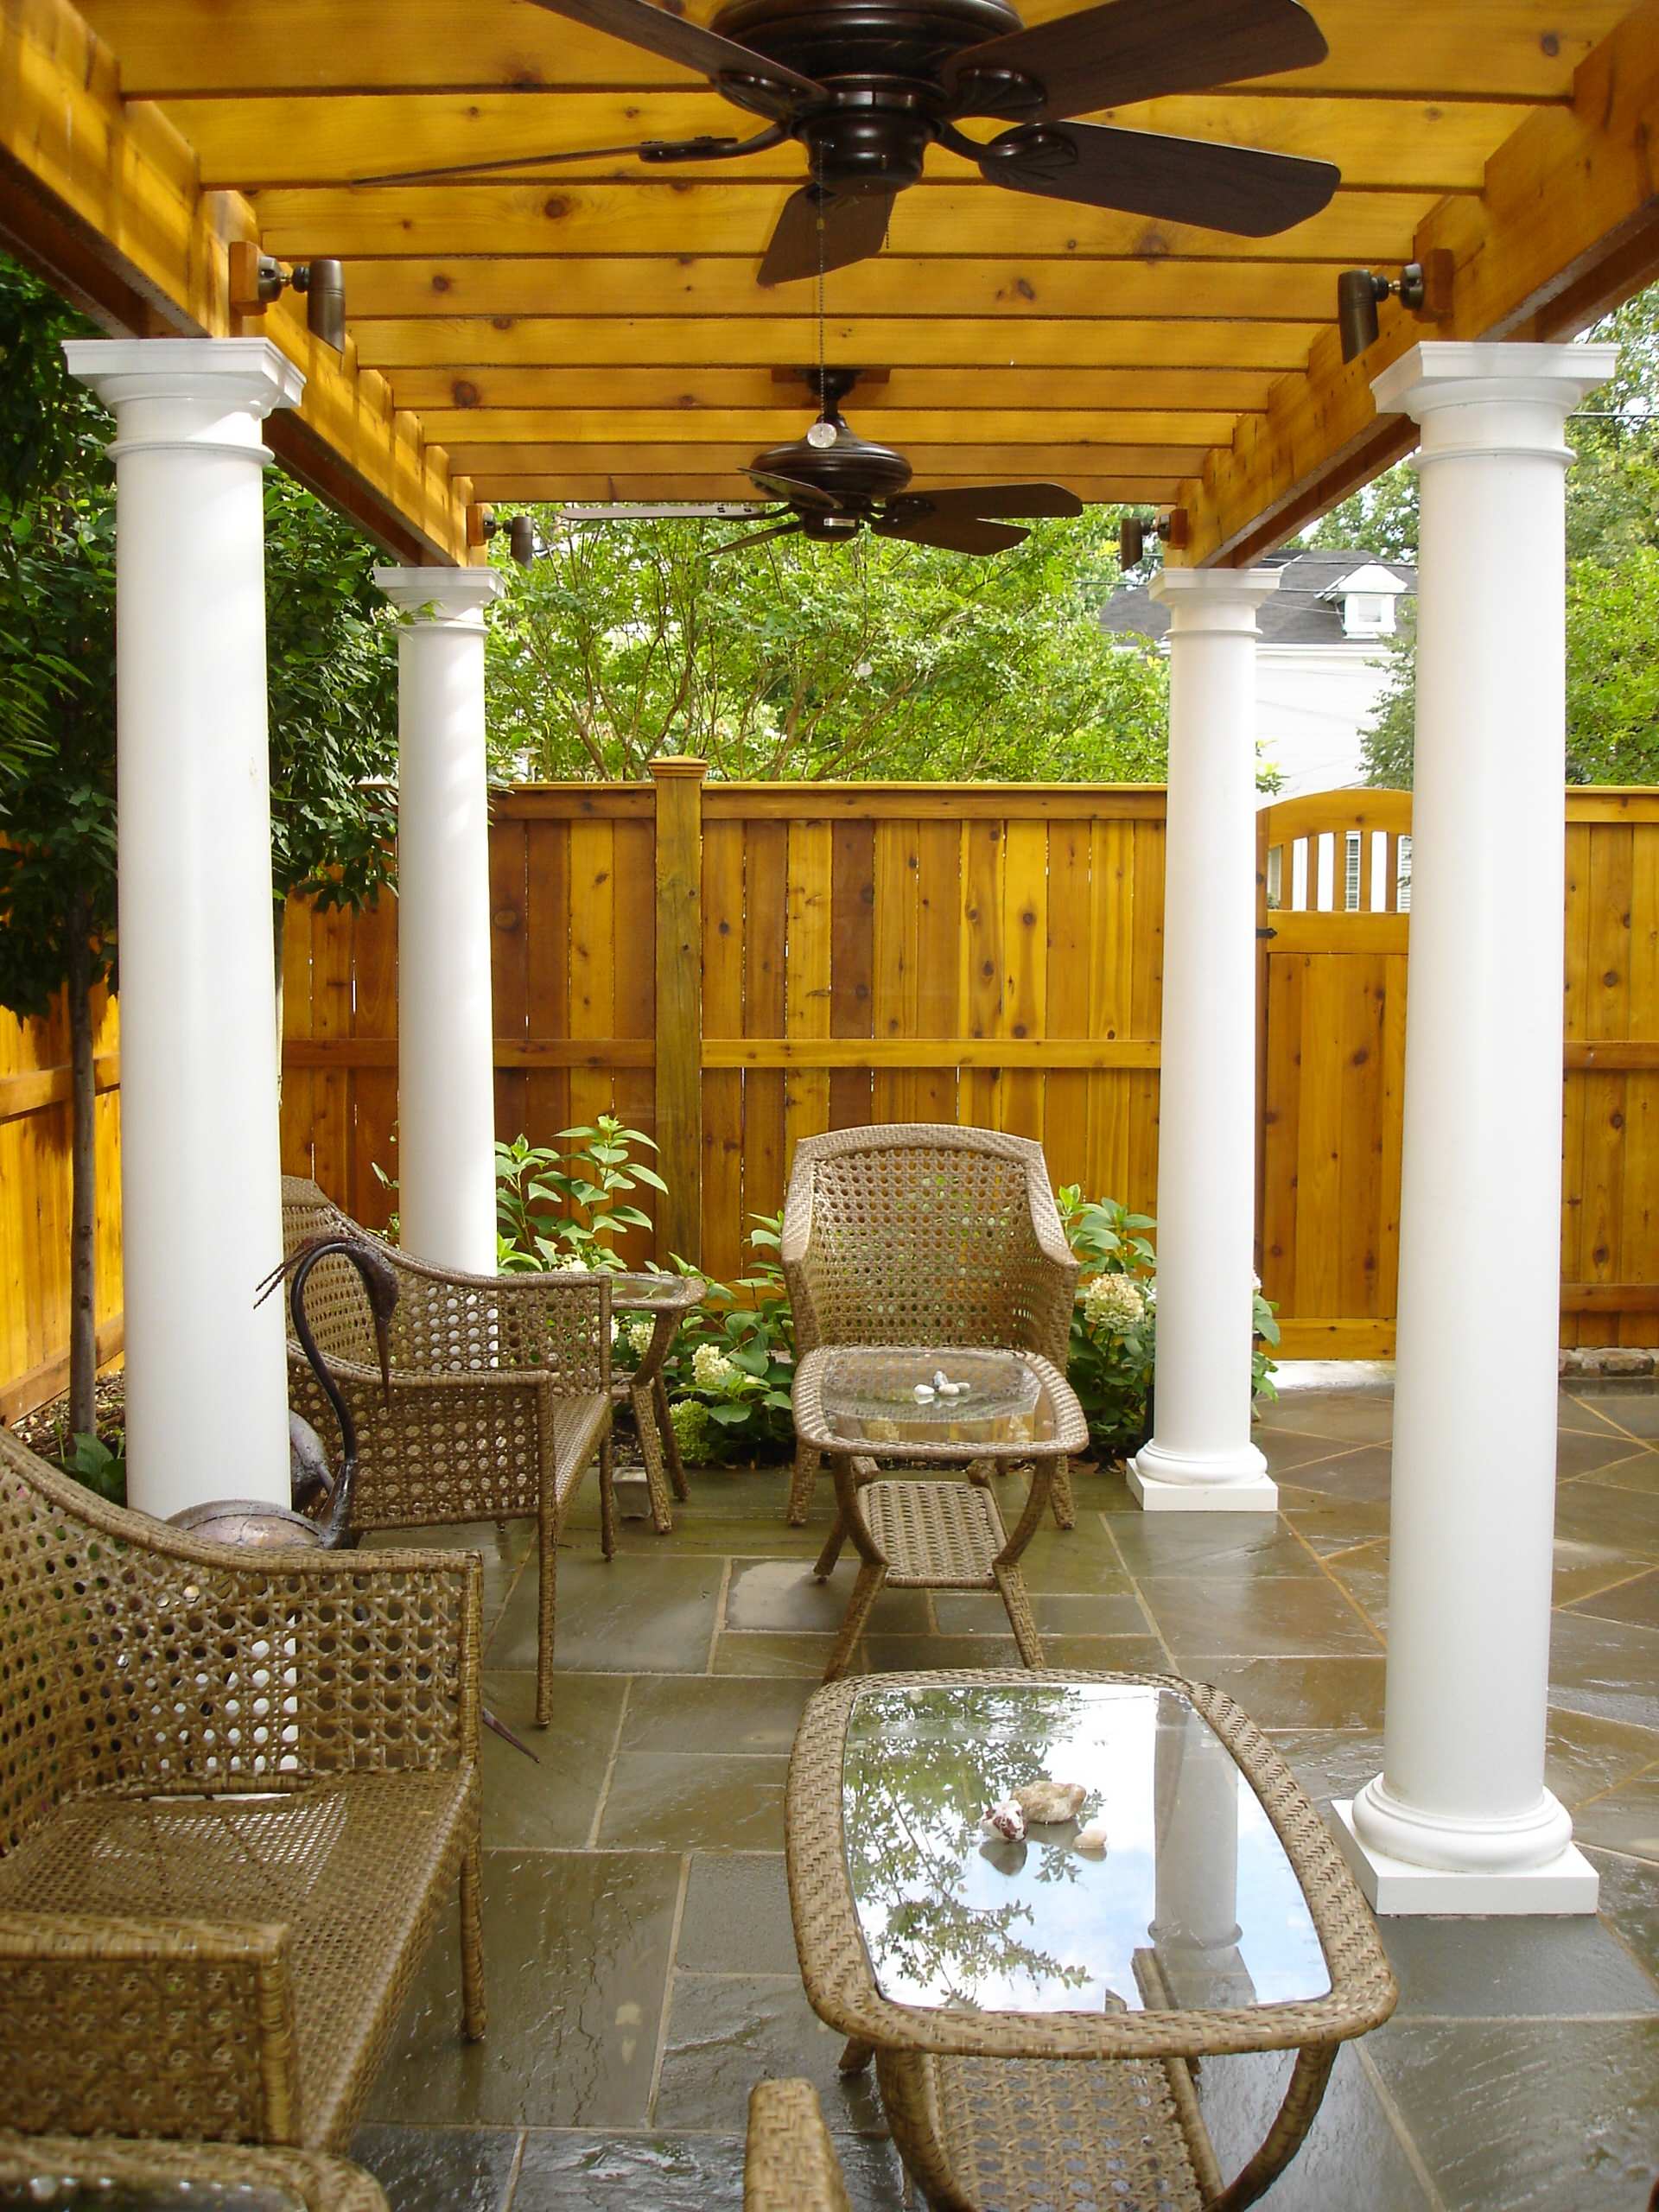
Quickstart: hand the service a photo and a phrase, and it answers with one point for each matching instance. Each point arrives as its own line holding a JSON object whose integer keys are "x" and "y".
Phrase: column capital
{"x": 1213, "y": 599}
{"x": 668, "y": 764}
{"x": 441, "y": 598}
{"x": 1524, "y": 393}
{"x": 218, "y": 375}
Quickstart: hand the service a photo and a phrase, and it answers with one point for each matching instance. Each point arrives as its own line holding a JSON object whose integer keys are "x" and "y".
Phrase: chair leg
{"x": 607, "y": 1496}
{"x": 865, "y": 1591}
{"x": 802, "y": 1483}
{"x": 1065, "y": 1511}
{"x": 855, "y": 2057}
{"x": 643, "y": 1405}
{"x": 473, "y": 2010}
{"x": 671, "y": 1442}
{"x": 547, "y": 1592}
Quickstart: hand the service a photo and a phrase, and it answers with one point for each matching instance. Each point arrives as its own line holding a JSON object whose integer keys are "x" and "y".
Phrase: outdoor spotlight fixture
{"x": 1424, "y": 287}
{"x": 482, "y": 525}
{"x": 1133, "y": 530}
{"x": 258, "y": 280}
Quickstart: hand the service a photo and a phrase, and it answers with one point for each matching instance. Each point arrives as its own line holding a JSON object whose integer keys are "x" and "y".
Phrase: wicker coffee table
{"x": 943, "y": 1408}
{"x": 668, "y": 1299}
{"x": 1035, "y": 2010}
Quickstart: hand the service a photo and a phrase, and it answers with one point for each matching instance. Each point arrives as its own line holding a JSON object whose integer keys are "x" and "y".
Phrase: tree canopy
{"x": 875, "y": 659}
{"x": 1612, "y": 572}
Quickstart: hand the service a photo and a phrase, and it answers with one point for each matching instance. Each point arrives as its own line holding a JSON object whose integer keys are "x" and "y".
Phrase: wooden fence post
{"x": 679, "y": 1004}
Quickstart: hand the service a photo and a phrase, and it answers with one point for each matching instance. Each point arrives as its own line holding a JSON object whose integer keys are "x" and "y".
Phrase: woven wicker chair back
{"x": 926, "y": 1233}
{"x": 134, "y": 1658}
{"x": 336, "y": 1305}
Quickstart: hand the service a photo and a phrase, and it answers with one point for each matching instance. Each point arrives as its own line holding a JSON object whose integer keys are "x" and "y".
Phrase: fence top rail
{"x": 1322, "y": 813}
{"x": 806, "y": 801}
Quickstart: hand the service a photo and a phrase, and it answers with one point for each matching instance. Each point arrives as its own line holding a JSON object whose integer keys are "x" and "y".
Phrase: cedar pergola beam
{"x": 102, "y": 197}
{"x": 1566, "y": 225}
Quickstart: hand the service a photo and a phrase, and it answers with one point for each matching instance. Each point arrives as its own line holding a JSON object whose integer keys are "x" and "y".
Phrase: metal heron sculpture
{"x": 256, "y": 1523}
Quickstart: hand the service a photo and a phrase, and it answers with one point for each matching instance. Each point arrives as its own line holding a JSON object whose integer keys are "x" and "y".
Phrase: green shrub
{"x": 556, "y": 1209}
{"x": 731, "y": 1366}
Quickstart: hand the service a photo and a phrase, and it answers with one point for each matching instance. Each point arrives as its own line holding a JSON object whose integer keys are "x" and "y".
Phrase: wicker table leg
{"x": 642, "y": 1400}
{"x": 1017, "y": 1601}
{"x": 855, "y": 2057}
{"x": 671, "y": 1442}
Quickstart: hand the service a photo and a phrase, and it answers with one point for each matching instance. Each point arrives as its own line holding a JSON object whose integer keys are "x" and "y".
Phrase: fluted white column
{"x": 1460, "y": 1819}
{"x": 1201, "y": 1455}
{"x": 446, "y": 1042}
{"x": 207, "y": 1387}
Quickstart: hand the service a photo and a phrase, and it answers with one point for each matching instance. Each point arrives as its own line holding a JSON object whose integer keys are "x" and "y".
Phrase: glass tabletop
{"x": 1191, "y": 1906}
{"x": 644, "y": 1292}
{"x": 935, "y": 1397}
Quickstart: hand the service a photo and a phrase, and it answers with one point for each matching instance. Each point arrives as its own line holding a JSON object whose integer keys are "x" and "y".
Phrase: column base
{"x": 1566, "y": 1883}
{"x": 1162, "y": 1481}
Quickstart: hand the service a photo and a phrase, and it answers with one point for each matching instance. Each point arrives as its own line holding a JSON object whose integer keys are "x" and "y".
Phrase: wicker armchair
{"x": 924, "y": 1233}
{"x": 235, "y": 1789}
{"x": 791, "y": 2163}
{"x": 35, "y": 2170}
{"x": 500, "y": 1396}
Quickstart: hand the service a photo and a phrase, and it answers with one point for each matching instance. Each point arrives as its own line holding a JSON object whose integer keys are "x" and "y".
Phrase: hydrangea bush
{"x": 729, "y": 1370}
{"x": 1115, "y": 1321}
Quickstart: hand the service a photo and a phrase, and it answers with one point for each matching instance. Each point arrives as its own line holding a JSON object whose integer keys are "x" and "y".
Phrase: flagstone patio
{"x": 642, "y": 1973}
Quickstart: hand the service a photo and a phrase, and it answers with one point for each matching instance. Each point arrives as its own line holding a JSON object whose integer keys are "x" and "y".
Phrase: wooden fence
{"x": 730, "y": 967}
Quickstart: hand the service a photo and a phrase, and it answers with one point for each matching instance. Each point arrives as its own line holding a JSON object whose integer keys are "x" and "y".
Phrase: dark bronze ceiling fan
{"x": 832, "y": 483}
{"x": 868, "y": 86}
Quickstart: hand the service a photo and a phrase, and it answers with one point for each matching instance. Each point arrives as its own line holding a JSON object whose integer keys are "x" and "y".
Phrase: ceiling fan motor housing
{"x": 880, "y": 63}
{"x": 853, "y": 470}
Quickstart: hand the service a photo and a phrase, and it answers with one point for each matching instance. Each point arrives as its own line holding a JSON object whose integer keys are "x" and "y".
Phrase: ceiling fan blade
{"x": 1235, "y": 188}
{"x": 792, "y": 494}
{"x": 954, "y": 533}
{"x": 1139, "y": 50}
{"x": 854, "y": 228}
{"x": 756, "y": 538}
{"x": 981, "y": 503}
{"x": 657, "y": 32}
{"x": 654, "y": 151}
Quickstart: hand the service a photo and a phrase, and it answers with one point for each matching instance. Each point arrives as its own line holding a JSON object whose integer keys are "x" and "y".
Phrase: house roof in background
{"x": 1306, "y": 610}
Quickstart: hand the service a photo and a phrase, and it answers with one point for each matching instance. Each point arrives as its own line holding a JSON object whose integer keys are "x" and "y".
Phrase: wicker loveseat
{"x": 926, "y": 1233}
{"x": 500, "y": 1396}
{"x": 790, "y": 2164}
{"x": 53, "y": 2169}
{"x": 235, "y": 1789}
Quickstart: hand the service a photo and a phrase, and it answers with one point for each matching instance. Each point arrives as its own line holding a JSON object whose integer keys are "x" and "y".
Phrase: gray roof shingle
{"x": 1295, "y": 615}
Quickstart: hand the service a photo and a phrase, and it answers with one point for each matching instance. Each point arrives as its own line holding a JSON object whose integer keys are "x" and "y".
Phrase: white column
{"x": 1201, "y": 1455}
{"x": 446, "y": 1038}
{"x": 206, "y": 1389}
{"x": 1460, "y": 1819}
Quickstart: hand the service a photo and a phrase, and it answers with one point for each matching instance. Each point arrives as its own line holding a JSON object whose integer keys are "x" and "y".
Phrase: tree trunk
{"x": 83, "y": 1211}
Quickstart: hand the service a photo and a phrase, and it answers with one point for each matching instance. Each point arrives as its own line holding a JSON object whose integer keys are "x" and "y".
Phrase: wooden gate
{"x": 1334, "y": 875}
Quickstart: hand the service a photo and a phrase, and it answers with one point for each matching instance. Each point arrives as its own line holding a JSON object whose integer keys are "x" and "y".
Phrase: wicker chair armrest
{"x": 791, "y": 2164}
{"x": 136, "y": 2027}
{"x": 320, "y": 2184}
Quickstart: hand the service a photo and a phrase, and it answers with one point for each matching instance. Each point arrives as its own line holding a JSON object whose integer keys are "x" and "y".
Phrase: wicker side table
{"x": 1035, "y": 2009}
{"x": 667, "y": 1300}
{"x": 982, "y": 1411}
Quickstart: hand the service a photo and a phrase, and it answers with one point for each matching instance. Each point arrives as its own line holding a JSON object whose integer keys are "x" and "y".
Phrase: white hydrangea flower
{"x": 710, "y": 1368}
{"x": 640, "y": 1332}
{"x": 1114, "y": 1302}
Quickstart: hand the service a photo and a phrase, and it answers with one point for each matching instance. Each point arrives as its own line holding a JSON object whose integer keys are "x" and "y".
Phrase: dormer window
{"x": 1368, "y": 598}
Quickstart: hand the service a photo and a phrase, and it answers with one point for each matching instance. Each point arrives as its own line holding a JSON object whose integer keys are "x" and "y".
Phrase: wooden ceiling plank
{"x": 1209, "y": 394}
{"x": 1007, "y": 291}
{"x": 1502, "y": 49}
{"x": 756, "y": 427}
{"x": 118, "y": 183}
{"x": 1019, "y": 464}
{"x": 259, "y": 141}
{"x": 674, "y": 345}
{"x": 663, "y": 218}
{"x": 526, "y": 490}
{"x": 1570, "y": 193}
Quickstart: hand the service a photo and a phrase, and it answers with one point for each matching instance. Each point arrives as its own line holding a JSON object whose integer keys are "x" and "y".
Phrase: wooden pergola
{"x": 585, "y": 332}
{"x": 595, "y": 331}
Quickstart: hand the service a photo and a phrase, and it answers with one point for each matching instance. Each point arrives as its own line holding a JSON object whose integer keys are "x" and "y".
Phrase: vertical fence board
{"x": 374, "y": 1090}
{"x": 1066, "y": 1011}
{"x": 766, "y": 930}
{"x": 1024, "y": 941}
{"x": 510, "y": 964}
{"x": 806, "y": 977}
{"x": 852, "y": 962}
{"x": 547, "y": 962}
{"x": 722, "y": 1016}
